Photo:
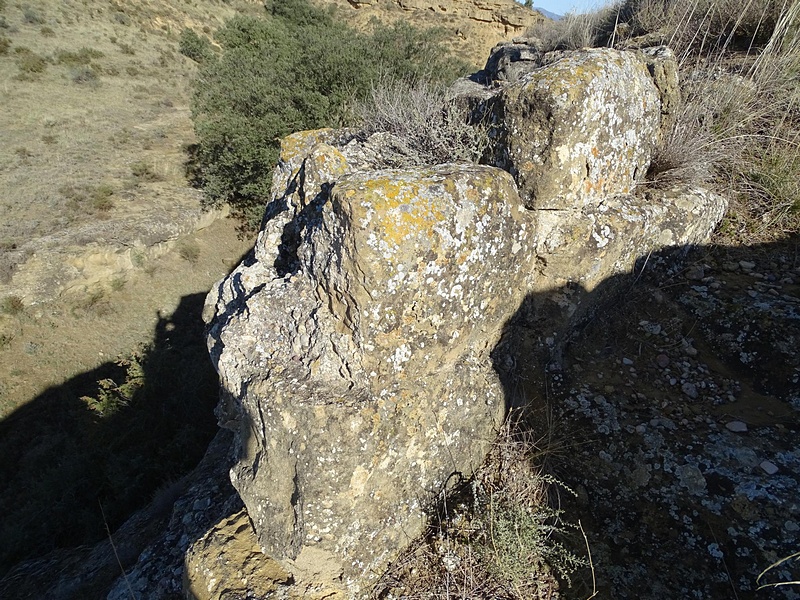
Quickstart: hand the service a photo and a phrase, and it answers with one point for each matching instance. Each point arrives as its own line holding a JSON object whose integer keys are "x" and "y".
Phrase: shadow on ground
{"x": 73, "y": 469}
{"x": 673, "y": 412}
{"x": 673, "y": 403}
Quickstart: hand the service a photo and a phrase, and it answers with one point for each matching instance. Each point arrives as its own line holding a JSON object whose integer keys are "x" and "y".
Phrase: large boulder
{"x": 354, "y": 351}
{"x": 355, "y": 345}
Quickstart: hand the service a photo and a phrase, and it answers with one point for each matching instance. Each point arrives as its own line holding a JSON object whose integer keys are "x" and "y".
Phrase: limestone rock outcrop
{"x": 472, "y": 27}
{"x": 355, "y": 344}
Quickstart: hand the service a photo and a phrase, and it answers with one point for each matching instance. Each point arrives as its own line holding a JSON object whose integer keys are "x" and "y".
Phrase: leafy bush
{"x": 295, "y": 69}
{"x": 194, "y": 46}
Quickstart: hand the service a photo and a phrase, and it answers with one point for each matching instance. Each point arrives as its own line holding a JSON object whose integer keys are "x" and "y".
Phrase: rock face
{"x": 355, "y": 349}
{"x": 472, "y": 27}
{"x": 354, "y": 346}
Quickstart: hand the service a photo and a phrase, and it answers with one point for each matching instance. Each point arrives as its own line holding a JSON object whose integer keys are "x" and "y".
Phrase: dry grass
{"x": 498, "y": 535}
{"x": 572, "y": 32}
{"x": 84, "y": 89}
{"x": 426, "y": 126}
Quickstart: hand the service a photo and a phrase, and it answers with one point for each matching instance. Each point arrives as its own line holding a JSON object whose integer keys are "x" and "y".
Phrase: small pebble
{"x": 747, "y": 265}
{"x": 730, "y": 266}
{"x": 662, "y": 360}
{"x": 627, "y": 361}
{"x": 737, "y": 426}
{"x": 695, "y": 272}
{"x": 640, "y": 429}
{"x": 690, "y": 390}
{"x": 769, "y": 468}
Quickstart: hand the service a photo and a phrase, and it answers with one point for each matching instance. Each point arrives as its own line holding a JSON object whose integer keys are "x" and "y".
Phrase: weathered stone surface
{"x": 354, "y": 345}
{"x": 227, "y": 562}
{"x": 579, "y": 129}
{"x": 354, "y": 352}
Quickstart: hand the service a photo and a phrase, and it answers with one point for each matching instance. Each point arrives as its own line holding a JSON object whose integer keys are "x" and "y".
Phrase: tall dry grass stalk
{"x": 739, "y": 126}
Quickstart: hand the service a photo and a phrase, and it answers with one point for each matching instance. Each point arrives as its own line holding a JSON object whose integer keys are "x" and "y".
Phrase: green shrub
{"x": 12, "y": 305}
{"x": 295, "y": 69}
{"x": 29, "y": 62}
{"x": 47, "y": 32}
{"x": 84, "y": 56}
{"x": 194, "y": 46}
{"x": 5, "y": 44}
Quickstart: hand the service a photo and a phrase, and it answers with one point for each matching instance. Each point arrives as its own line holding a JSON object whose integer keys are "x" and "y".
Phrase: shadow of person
{"x": 79, "y": 459}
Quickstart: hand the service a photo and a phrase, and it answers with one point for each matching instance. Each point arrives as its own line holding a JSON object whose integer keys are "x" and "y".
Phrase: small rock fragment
{"x": 627, "y": 361}
{"x": 662, "y": 360}
{"x": 737, "y": 426}
{"x": 695, "y": 272}
{"x": 769, "y": 467}
{"x": 690, "y": 390}
{"x": 747, "y": 265}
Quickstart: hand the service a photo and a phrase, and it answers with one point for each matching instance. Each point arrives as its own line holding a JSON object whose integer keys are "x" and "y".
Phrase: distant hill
{"x": 549, "y": 14}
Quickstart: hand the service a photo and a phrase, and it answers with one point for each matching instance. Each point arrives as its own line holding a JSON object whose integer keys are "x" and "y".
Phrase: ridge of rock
{"x": 472, "y": 27}
{"x": 357, "y": 345}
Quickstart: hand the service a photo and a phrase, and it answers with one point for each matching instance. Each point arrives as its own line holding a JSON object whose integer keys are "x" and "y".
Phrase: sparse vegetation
{"x": 84, "y": 56}
{"x": 426, "y": 126}
{"x": 47, "y": 32}
{"x": 496, "y": 536}
{"x": 143, "y": 171}
{"x": 295, "y": 69}
{"x": 83, "y": 75}
{"x": 89, "y": 198}
{"x": 5, "y": 44}
{"x": 12, "y": 305}
{"x": 189, "y": 250}
{"x": 31, "y": 16}
{"x": 30, "y": 62}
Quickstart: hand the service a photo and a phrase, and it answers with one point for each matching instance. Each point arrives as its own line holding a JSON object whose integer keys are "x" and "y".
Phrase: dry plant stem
{"x": 775, "y": 565}
{"x": 116, "y": 554}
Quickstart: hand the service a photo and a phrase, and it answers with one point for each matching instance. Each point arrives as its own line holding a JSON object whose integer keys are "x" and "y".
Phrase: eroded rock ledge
{"x": 355, "y": 344}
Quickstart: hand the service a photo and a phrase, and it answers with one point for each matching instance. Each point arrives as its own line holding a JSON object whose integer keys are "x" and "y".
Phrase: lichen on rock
{"x": 355, "y": 344}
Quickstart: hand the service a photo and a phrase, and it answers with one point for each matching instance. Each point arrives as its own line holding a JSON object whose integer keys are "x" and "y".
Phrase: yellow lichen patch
{"x": 401, "y": 209}
{"x": 302, "y": 142}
